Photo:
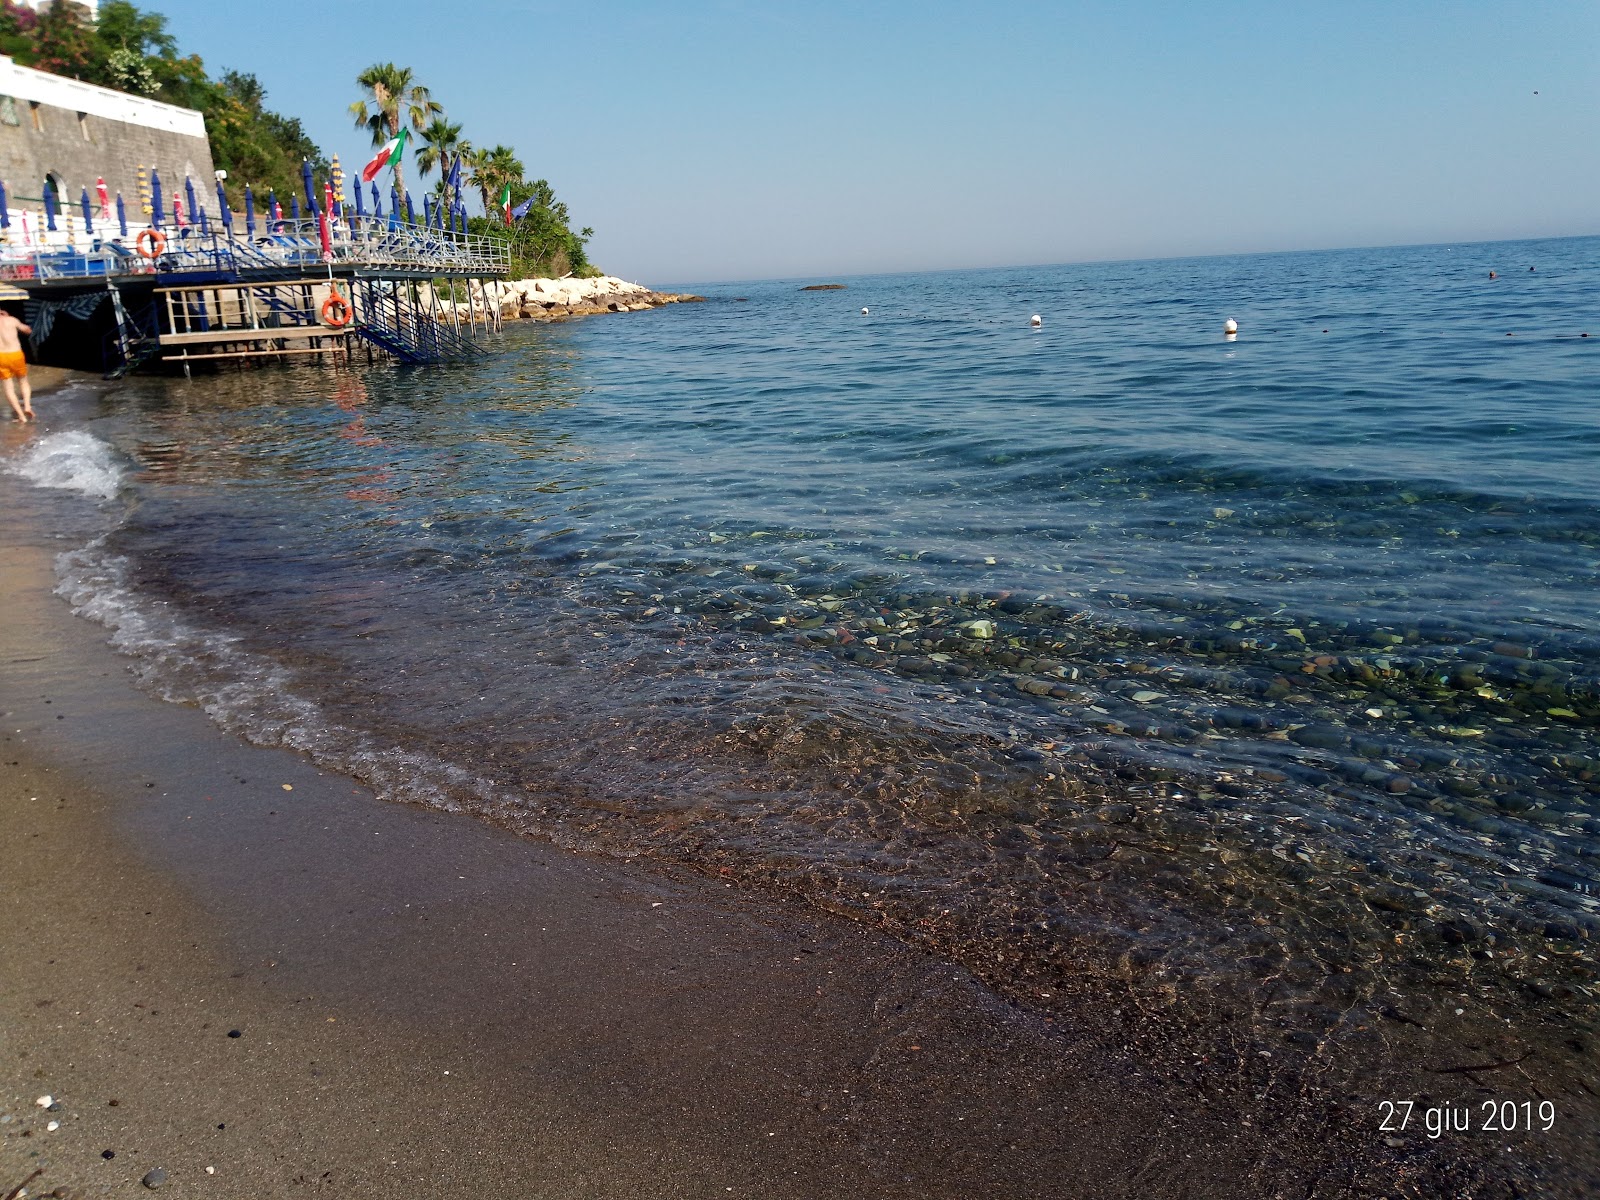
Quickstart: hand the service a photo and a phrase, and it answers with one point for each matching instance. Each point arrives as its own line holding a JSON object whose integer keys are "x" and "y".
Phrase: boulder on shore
{"x": 560, "y": 299}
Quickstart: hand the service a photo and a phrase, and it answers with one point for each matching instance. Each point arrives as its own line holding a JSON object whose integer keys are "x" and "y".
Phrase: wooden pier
{"x": 301, "y": 288}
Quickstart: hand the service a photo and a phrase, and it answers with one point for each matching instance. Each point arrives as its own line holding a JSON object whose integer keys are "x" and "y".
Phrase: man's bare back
{"x": 13, "y": 366}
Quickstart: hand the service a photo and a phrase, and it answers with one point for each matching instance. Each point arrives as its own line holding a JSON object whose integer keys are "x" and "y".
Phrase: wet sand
{"x": 217, "y": 956}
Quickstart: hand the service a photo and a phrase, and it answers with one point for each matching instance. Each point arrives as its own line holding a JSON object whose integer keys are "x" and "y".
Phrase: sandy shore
{"x": 227, "y": 966}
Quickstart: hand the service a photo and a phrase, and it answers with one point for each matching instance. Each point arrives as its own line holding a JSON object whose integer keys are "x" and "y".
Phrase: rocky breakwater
{"x": 559, "y": 299}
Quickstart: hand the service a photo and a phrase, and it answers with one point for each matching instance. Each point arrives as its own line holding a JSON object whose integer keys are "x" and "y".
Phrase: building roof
{"x": 40, "y": 87}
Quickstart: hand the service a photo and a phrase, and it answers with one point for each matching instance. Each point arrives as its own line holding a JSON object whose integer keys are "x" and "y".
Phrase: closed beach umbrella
{"x": 188, "y": 190}
{"x": 104, "y": 198}
{"x": 122, "y": 215}
{"x": 155, "y": 199}
{"x": 325, "y": 234}
{"x": 311, "y": 188}
{"x": 411, "y": 212}
{"x": 5, "y": 213}
{"x": 88, "y": 219}
{"x": 222, "y": 207}
{"x": 177, "y": 213}
{"x": 360, "y": 209}
{"x": 336, "y": 174}
{"x": 204, "y": 226}
{"x": 49, "y": 205}
{"x": 249, "y": 211}
{"x": 377, "y": 201}
{"x": 427, "y": 211}
{"x": 328, "y": 204}
{"x": 294, "y": 208}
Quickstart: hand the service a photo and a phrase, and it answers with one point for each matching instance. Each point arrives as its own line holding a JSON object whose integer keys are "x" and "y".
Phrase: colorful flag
{"x": 521, "y": 210}
{"x": 505, "y": 203}
{"x": 389, "y": 155}
{"x": 453, "y": 180}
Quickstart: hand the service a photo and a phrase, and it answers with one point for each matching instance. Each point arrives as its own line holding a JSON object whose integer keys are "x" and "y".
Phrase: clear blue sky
{"x": 738, "y": 140}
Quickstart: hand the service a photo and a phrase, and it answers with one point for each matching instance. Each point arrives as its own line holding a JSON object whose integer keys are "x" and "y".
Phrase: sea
{"x": 1110, "y": 653}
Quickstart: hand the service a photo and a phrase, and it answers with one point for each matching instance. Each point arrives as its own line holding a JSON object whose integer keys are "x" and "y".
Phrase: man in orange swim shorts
{"x": 13, "y": 366}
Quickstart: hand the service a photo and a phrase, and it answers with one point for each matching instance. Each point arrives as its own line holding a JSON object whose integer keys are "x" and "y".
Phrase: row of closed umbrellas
{"x": 438, "y": 214}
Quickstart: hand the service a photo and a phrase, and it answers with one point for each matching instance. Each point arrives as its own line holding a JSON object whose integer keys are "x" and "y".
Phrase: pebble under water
{"x": 1110, "y": 654}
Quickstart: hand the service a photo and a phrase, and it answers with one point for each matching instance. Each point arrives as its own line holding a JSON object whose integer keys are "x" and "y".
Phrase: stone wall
{"x": 75, "y": 132}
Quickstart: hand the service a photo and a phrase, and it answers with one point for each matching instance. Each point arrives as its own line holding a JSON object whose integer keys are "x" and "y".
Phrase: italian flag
{"x": 505, "y": 203}
{"x": 388, "y": 156}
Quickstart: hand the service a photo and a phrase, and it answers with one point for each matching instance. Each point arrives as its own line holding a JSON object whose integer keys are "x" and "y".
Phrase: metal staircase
{"x": 409, "y": 336}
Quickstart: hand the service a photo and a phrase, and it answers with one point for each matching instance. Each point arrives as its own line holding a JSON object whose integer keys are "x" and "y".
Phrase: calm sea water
{"x": 1112, "y": 650}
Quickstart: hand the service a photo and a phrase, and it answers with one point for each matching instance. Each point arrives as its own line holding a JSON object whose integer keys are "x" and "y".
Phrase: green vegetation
{"x": 542, "y": 241}
{"x": 131, "y": 50}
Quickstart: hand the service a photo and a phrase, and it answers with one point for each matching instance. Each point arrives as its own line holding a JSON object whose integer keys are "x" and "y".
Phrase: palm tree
{"x": 441, "y": 145}
{"x": 492, "y": 170}
{"x": 394, "y": 95}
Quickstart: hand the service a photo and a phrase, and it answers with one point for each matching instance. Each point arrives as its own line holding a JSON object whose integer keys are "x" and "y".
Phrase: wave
{"x": 73, "y": 461}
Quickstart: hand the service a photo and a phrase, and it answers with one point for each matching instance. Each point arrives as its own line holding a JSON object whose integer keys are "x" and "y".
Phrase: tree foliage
{"x": 394, "y": 97}
{"x": 131, "y": 50}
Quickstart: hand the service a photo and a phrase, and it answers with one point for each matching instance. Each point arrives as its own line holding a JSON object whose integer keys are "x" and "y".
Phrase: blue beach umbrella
{"x": 377, "y": 202}
{"x": 194, "y": 209}
{"x": 155, "y": 199}
{"x": 394, "y": 216}
{"x": 411, "y": 212}
{"x": 294, "y": 208}
{"x": 394, "y": 202}
{"x": 122, "y": 215}
{"x": 88, "y": 220}
{"x": 223, "y": 209}
{"x": 311, "y": 188}
{"x": 5, "y": 214}
{"x": 204, "y": 227}
{"x": 49, "y": 205}
{"x": 427, "y": 211}
{"x": 249, "y": 212}
{"x": 360, "y": 210}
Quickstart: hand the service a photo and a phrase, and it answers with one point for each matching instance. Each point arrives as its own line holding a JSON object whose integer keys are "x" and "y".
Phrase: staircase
{"x": 398, "y": 330}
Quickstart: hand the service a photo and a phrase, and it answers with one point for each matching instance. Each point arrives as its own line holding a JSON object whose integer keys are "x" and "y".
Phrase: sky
{"x": 733, "y": 140}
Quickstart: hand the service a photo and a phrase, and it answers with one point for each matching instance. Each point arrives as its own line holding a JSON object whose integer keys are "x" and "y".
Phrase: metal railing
{"x": 291, "y": 246}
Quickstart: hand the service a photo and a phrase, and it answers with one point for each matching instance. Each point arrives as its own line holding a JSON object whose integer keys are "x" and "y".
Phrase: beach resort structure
{"x": 117, "y": 273}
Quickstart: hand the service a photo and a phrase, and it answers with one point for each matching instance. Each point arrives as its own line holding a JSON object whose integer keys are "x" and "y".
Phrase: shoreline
{"x": 671, "y": 1035}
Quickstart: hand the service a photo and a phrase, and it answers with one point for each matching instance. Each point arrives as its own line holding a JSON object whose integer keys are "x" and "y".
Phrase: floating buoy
{"x": 151, "y": 242}
{"x": 1230, "y": 326}
{"x": 1036, "y": 320}
{"x": 863, "y": 312}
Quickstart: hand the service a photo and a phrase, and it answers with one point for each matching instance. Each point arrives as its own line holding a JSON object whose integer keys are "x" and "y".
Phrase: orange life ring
{"x": 336, "y": 311}
{"x": 151, "y": 242}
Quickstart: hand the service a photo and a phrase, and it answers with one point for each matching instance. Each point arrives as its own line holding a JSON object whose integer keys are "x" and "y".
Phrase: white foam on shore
{"x": 74, "y": 461}
{"x": 247, "y": 693}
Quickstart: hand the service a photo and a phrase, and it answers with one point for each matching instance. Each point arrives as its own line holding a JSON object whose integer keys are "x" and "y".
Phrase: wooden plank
{"x": 263, "y": 352}
{"x": 291, "y": 333}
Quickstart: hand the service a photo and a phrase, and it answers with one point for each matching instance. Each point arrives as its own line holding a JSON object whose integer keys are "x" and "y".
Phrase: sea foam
{"x": 73, "y": 461}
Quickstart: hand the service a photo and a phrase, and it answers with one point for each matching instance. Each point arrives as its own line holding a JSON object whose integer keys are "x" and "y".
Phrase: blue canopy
{"x": 122, "y": 215}
{"x": 249, "y": 211}
{"x": 155, "y": 199}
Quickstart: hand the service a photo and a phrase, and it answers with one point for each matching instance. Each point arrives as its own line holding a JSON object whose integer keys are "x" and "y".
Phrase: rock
{"x": 824, "y": 287}
{"x": 1145, "y": 697}
{"x": 154, "y": 1178}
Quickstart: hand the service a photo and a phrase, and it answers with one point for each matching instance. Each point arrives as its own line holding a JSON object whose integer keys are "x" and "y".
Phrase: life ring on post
{"x": 336, "y": 311}
{"x": 151, "y": 242}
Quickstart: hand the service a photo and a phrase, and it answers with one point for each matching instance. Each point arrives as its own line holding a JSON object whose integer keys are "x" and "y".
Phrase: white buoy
{"x": 1036, "y": 320}
{"x": 1230, "y": 326}
{"x": 863, "y": 312}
